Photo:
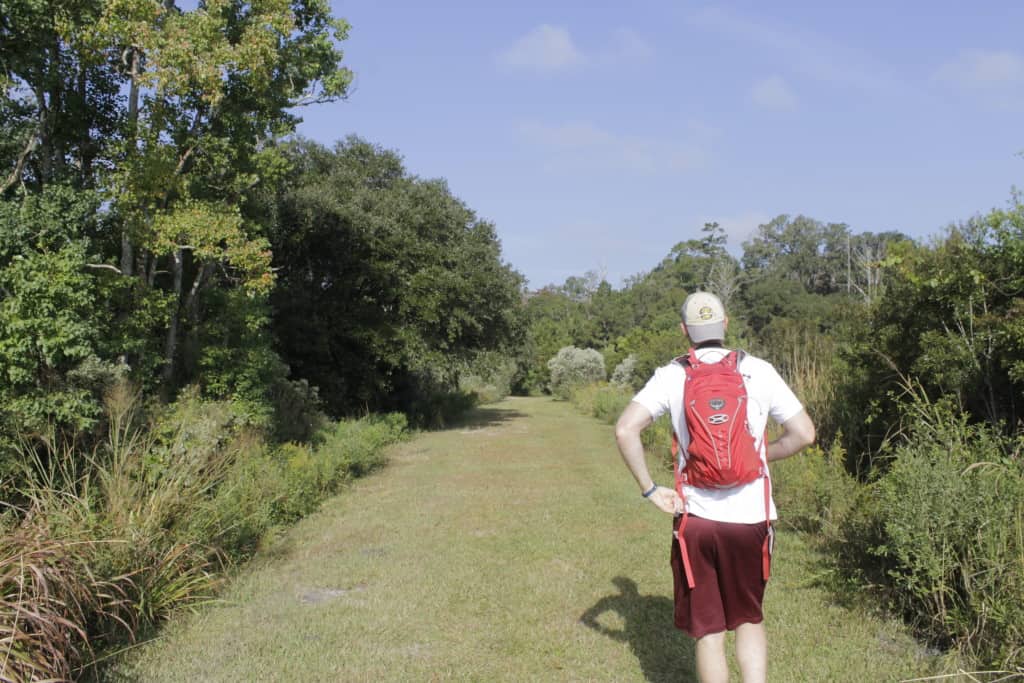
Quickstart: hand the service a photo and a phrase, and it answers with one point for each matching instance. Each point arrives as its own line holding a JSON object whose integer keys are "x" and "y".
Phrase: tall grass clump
{"x": 103, "y": 546}
{"x": 806, "y": 359}
{"x": 350, "y": 449}
{"x": 942, "y": 532}
{"x": 603, "y": 401}
{"x": 814, "y": 492}
{"x": 53, "y": 607}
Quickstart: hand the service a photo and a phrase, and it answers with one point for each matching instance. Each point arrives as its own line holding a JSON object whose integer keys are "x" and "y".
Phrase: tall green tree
{"x": 173, "y": 115}
{"x": 386, "y": 282}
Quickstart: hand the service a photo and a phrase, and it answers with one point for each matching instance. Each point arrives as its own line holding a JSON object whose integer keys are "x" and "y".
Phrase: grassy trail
{"x": 513, "y": 548}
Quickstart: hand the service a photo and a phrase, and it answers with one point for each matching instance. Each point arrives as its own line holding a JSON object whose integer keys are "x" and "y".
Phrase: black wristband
{"x": 647, "y": 494}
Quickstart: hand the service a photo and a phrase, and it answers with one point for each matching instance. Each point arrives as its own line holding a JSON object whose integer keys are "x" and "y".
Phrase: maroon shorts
{"x": 726, "y": 561}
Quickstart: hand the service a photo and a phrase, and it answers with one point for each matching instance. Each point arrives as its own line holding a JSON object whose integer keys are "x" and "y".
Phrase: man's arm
{"x": 634, "y": 419}
{"x": 797, "y": 434}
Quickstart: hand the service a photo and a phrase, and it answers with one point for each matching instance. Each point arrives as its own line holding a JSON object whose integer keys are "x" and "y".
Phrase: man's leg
{"x": 752, "y": 652}
{"x": 711, "y": 664}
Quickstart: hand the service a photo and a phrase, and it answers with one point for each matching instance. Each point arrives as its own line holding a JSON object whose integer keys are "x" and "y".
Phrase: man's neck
{"x": 710, "y": 344}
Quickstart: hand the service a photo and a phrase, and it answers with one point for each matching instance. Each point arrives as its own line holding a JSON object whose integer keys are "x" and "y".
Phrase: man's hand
{"x": 667, "y": 500}
{"x": 635, "y": 419}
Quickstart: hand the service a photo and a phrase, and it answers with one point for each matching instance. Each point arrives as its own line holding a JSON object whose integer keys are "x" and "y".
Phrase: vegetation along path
{"x": 512, "y": 548}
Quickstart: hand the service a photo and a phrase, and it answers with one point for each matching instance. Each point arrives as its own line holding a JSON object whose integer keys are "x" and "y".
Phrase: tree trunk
{"x": 127, "y": 250}
{"x": 171, "y": 342}
{"x": 127, "y": 256}
{"x": 45, "y": 150}
{"x": 192, "y": 323}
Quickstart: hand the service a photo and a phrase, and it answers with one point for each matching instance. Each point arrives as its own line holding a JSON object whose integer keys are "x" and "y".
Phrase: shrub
{"x": 604, "y": 401}
{"x": 813, "y": 490}
{"x": 296, "y": 407}
{"x": 110, "y": 543}
{"x": 948, "y": 533}
{"x": 488, "y": 377}
{"x": 624, "y": 374}
{"x": 572, "y": 367}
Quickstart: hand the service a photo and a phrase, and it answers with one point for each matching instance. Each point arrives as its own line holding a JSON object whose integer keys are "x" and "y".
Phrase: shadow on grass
{"x": 665, "y": 654}
{"x": 485, "y": 416}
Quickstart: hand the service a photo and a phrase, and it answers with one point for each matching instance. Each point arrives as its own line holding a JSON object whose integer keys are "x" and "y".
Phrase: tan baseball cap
{"x": 704, "y": 316}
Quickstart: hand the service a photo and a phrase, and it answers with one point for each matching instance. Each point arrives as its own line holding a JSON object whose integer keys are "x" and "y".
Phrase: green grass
{"x": 512, "y": 548}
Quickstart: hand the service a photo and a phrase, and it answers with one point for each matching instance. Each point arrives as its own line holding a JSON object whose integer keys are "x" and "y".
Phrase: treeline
{"x": 194, "y": 305}
{"x": 910, "y": 358}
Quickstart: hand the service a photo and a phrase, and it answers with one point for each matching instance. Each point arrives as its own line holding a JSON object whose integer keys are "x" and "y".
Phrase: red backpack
{"x": 722, "y": 452}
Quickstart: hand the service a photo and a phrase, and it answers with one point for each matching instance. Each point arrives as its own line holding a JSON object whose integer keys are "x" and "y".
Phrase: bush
{"x": 945, "y": 533}
{"x": 813, "y": 490}
{"x": 604, "y": 401}
{"x": 108, "y": 544}
{"x": 488, "y": 377}
{"x": 296, "y": 408}
{"x": 572, "y": 367}
{"x": 624, "y": 374}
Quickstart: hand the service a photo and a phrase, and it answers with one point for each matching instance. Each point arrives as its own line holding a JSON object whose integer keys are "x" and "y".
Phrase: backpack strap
{"x": 688, "y": 361}
{"x": 766, "y": 547}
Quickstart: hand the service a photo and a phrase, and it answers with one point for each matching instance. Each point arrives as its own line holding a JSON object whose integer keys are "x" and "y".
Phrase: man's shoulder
{"x": 755, "y": 363}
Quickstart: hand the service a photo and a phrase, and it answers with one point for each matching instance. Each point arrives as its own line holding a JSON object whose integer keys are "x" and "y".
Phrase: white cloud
{"x": 584, "y": 143}
{"x": 740, "y": 227}
{"x": 813, "y": 55}
{"x": 773, "y": 93}
{"x": 550, "y": 49}
{"x": 983, "y": 69}
{"x": 584, "y": 146}
{"x": 630, "y": 46}
{"x": 544, "y": 48}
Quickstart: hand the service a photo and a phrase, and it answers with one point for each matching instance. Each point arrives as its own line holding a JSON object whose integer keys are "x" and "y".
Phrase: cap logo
{"x": 705, "y": 313}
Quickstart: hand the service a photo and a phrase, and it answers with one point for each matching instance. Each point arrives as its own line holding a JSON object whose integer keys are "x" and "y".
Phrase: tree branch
{"x": 20, "y": 165}
{"x": 104, "y": 266}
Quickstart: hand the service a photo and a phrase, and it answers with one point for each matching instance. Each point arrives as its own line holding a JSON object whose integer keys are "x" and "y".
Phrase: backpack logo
{"x": 717, "y": 403}
{"x": 720, "y": 418}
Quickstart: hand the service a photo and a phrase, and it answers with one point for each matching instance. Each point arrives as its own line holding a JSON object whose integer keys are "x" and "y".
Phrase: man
{"x": 726, "y": 529}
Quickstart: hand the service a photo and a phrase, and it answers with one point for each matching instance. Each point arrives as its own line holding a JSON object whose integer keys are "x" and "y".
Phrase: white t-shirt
{"x": 768, "y": 396}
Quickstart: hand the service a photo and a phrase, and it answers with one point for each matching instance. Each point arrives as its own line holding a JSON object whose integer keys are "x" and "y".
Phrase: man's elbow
{"x": 807, "y": 434}
{"x": 624, "y": 431}
{"x": 810, "y": 437}
{"x": 801, "y": 431}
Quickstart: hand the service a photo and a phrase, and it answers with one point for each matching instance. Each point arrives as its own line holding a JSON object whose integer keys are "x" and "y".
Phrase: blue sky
{"x": 597, "y": 135}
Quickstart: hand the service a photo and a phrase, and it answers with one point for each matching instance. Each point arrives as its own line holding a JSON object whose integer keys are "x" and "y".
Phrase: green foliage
{"x": 801, "y": 250}
{"x": 52, "y": 326}
{"x": 814, "y": 492}
{"x": 604, "y": 401}
{"x": 625, "y": 374}
{"x": 108, "y": 544}
{"x": 172, "y": 115}
{"x": 950, "y": 317}
{"x": 488, "y": 376}
{"x": 388, "y": 285}
{"x": 951, "y": 512}
{"x": 350, "y": 449}
{"x": 572, "y": 367}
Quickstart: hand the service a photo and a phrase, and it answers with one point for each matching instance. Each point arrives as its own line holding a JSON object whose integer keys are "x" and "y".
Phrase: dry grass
{"x": 513, "y": 548}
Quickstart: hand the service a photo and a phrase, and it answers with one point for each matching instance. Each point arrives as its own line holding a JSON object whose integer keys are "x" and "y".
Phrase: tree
{"x": 174, "y": 116}
{"x": 801, "y": 249}
{"x": 387, "y": 283}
